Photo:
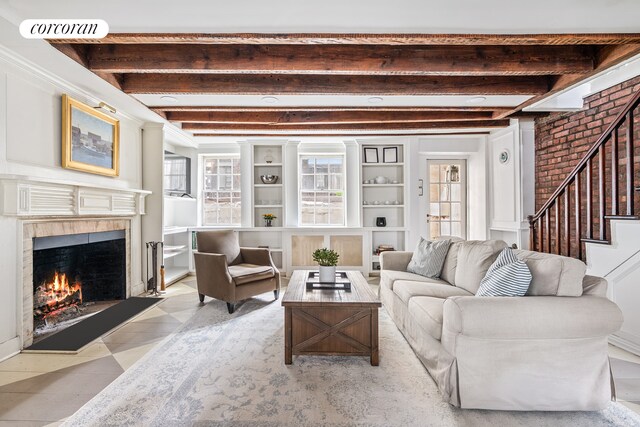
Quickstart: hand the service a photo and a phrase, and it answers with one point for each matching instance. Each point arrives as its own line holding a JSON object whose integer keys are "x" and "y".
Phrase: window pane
{"x": 434, "y": 192}
{"x": 434, "y": 226}
{"x": 336, "y": 216}
{"x": 443, "y": 174}
{"x": 434, "y": 209}
{"x": 322, "y": 182}
{"x": 222, "y": 197}
{"x": 455, "y": 212}
{"x": 445, "y": 210}
{"x": 322, "y": 216}
{"x": 307, "y": 182}
{"x": 322, "y": 165}
{"x": 307, "y": 165}
{"x": 456, "y": 194}
{"x": 456, "y": 229}
{"x": 321, "y": 196}
{"x": 444, "y": 192}
{"x": 445, "y": 228}
{"x": 434, "y": 173}
{"x": 335, "y": 182}
{"x": 210, "y": 166}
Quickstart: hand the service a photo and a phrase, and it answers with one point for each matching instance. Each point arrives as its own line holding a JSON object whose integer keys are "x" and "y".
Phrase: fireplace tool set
{"x": 152, "y": 282}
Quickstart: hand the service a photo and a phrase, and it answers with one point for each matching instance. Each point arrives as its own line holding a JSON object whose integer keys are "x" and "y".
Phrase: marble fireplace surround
{"x": 47, "y": 228}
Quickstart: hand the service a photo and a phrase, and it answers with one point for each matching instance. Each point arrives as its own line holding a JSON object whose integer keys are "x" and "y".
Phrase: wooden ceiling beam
{"x": 225, "y": 127}
{"x": 284, "y": 109}
{"x": 607, "y": 57}
{"x": 244, "y": 135}
{"x": 362, "y": 39}
{"x": 330, "y": 117}
{"x": 274, "y": 84}
{"x": 341, "y": 59}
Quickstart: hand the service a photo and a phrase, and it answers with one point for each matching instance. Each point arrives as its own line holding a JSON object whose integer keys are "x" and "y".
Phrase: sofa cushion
{"x": 448, "y": 272}
{"x": 508, "y": 276}
{"x": 437, "y": 289}
{"x": 428, "y": 258}
{"x": 389, "y": 277}
{"x": 553, "y": 274}
{"x": 427, "y": 313}
{"x": 246, "y": 273}
{"x": 474, "y": 259}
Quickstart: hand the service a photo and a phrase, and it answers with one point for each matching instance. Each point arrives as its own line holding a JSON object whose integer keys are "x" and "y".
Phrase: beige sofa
{"x": 544, "y": 351}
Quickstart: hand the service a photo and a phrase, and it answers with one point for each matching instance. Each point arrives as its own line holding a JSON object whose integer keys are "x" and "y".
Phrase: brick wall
{"x": 563, "y": 138}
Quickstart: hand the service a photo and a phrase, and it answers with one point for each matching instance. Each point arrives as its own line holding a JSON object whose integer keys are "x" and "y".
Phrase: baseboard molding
{"x": 9, "y": 348}
{"x": 625, "y": 343}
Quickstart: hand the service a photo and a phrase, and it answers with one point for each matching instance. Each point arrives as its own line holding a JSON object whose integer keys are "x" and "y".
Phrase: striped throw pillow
{"x": 428, "y": 258}
{"x": 507, "y": 277}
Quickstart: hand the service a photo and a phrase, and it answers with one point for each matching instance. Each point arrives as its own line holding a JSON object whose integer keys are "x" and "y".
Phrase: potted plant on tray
{"x": 327, "y": 259}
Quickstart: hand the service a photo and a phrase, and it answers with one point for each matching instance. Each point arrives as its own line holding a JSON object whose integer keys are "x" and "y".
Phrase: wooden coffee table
{"x": 330, "y": 322}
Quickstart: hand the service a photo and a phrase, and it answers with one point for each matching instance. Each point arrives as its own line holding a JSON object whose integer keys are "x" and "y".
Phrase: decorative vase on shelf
{"x": 268, "y": 219}
{"x": 327, "y": 274}
{"x": 268, "y": 158}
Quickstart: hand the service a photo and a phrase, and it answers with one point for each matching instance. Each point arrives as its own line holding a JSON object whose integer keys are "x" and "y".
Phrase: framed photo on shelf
{"x": 371, "y": 155}
{"x": 90, "y": 139}
{"x": 390, "y": 155}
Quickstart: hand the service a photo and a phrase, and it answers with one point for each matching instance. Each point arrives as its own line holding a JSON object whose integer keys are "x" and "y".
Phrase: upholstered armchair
{"x": 227, "y": 272}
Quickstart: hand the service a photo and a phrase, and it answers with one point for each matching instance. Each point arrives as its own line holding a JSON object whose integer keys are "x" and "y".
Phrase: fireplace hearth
{"x": 76, "y": 276}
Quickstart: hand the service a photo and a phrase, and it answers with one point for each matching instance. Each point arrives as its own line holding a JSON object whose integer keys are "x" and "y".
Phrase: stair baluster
{"x": 545, "y": 238}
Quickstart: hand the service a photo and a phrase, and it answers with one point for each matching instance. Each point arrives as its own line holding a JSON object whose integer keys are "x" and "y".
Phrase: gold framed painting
{"x": 90, "y": 139}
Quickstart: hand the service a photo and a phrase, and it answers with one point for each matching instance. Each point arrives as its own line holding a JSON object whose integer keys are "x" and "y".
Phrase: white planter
{"x": 328, "y": 274}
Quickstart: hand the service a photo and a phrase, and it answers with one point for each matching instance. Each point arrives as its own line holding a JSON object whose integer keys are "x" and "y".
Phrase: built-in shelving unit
{"x": 178, "y": 214}
{"x": 267, "y": 198}
{"x": 383, "y": 195}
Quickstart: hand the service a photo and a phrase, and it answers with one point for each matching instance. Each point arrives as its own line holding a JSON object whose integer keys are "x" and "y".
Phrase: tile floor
{"x": 44, "y": 389}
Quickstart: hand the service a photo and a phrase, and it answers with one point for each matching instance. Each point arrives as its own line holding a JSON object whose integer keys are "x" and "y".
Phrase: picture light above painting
{"x": 90, "y": 139}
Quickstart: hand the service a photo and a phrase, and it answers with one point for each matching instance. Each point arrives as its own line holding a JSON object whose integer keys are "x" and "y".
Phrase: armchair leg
{"x": 276, "y": 294}
{"x": 231, "y": 307}
{"x": 201, "y": 297}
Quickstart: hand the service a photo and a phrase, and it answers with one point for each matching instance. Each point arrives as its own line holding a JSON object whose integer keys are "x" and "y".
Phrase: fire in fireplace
{"x": 56, "y": 295}
{"x": 75, "y": 276}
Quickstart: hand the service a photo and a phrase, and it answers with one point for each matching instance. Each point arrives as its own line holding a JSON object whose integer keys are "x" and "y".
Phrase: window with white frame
{"x": 221, "y": 191}
{"x": 321, "y": 183}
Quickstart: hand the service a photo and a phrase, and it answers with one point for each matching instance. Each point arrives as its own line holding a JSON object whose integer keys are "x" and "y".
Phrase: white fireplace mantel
{"x": 25, "y": 197}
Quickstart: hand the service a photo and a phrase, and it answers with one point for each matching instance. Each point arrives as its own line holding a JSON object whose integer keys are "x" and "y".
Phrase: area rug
{"x": 228, "y": 370}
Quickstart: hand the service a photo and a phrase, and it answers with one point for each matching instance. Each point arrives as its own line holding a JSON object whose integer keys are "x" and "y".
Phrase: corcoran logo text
{"x": 64, "y": 28}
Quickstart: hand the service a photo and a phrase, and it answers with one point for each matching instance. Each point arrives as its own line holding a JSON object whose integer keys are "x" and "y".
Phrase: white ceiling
{"x": 333, "y": 101}
{"x": 335, "y": 16}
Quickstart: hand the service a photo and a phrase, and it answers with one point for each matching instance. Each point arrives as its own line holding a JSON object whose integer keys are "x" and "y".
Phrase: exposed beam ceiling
{"x": 341, "y": 59}
{"x": 277, "y": 84}
{"x": 376, "y": 65}
{"x": 223, "y": 127}
{"x": 362, "y": 39}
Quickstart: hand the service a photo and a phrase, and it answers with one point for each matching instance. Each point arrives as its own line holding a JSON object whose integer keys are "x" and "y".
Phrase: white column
{"x": 290, "y": 168}
{"x": 352, "y": 175}
{"x": 246, "y": 182}
{"x": 152, "y": 180}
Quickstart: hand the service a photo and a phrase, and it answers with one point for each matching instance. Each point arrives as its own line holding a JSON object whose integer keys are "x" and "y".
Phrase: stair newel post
{"x": 532, "y": 233}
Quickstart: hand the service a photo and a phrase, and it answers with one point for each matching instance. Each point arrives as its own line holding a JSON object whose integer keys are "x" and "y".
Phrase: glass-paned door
{"x": 446, "y": 210}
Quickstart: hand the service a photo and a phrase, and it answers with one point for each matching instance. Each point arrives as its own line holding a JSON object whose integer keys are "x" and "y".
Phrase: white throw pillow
{"x": 428, "y": 258}
{"x": 507, "y": 277}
